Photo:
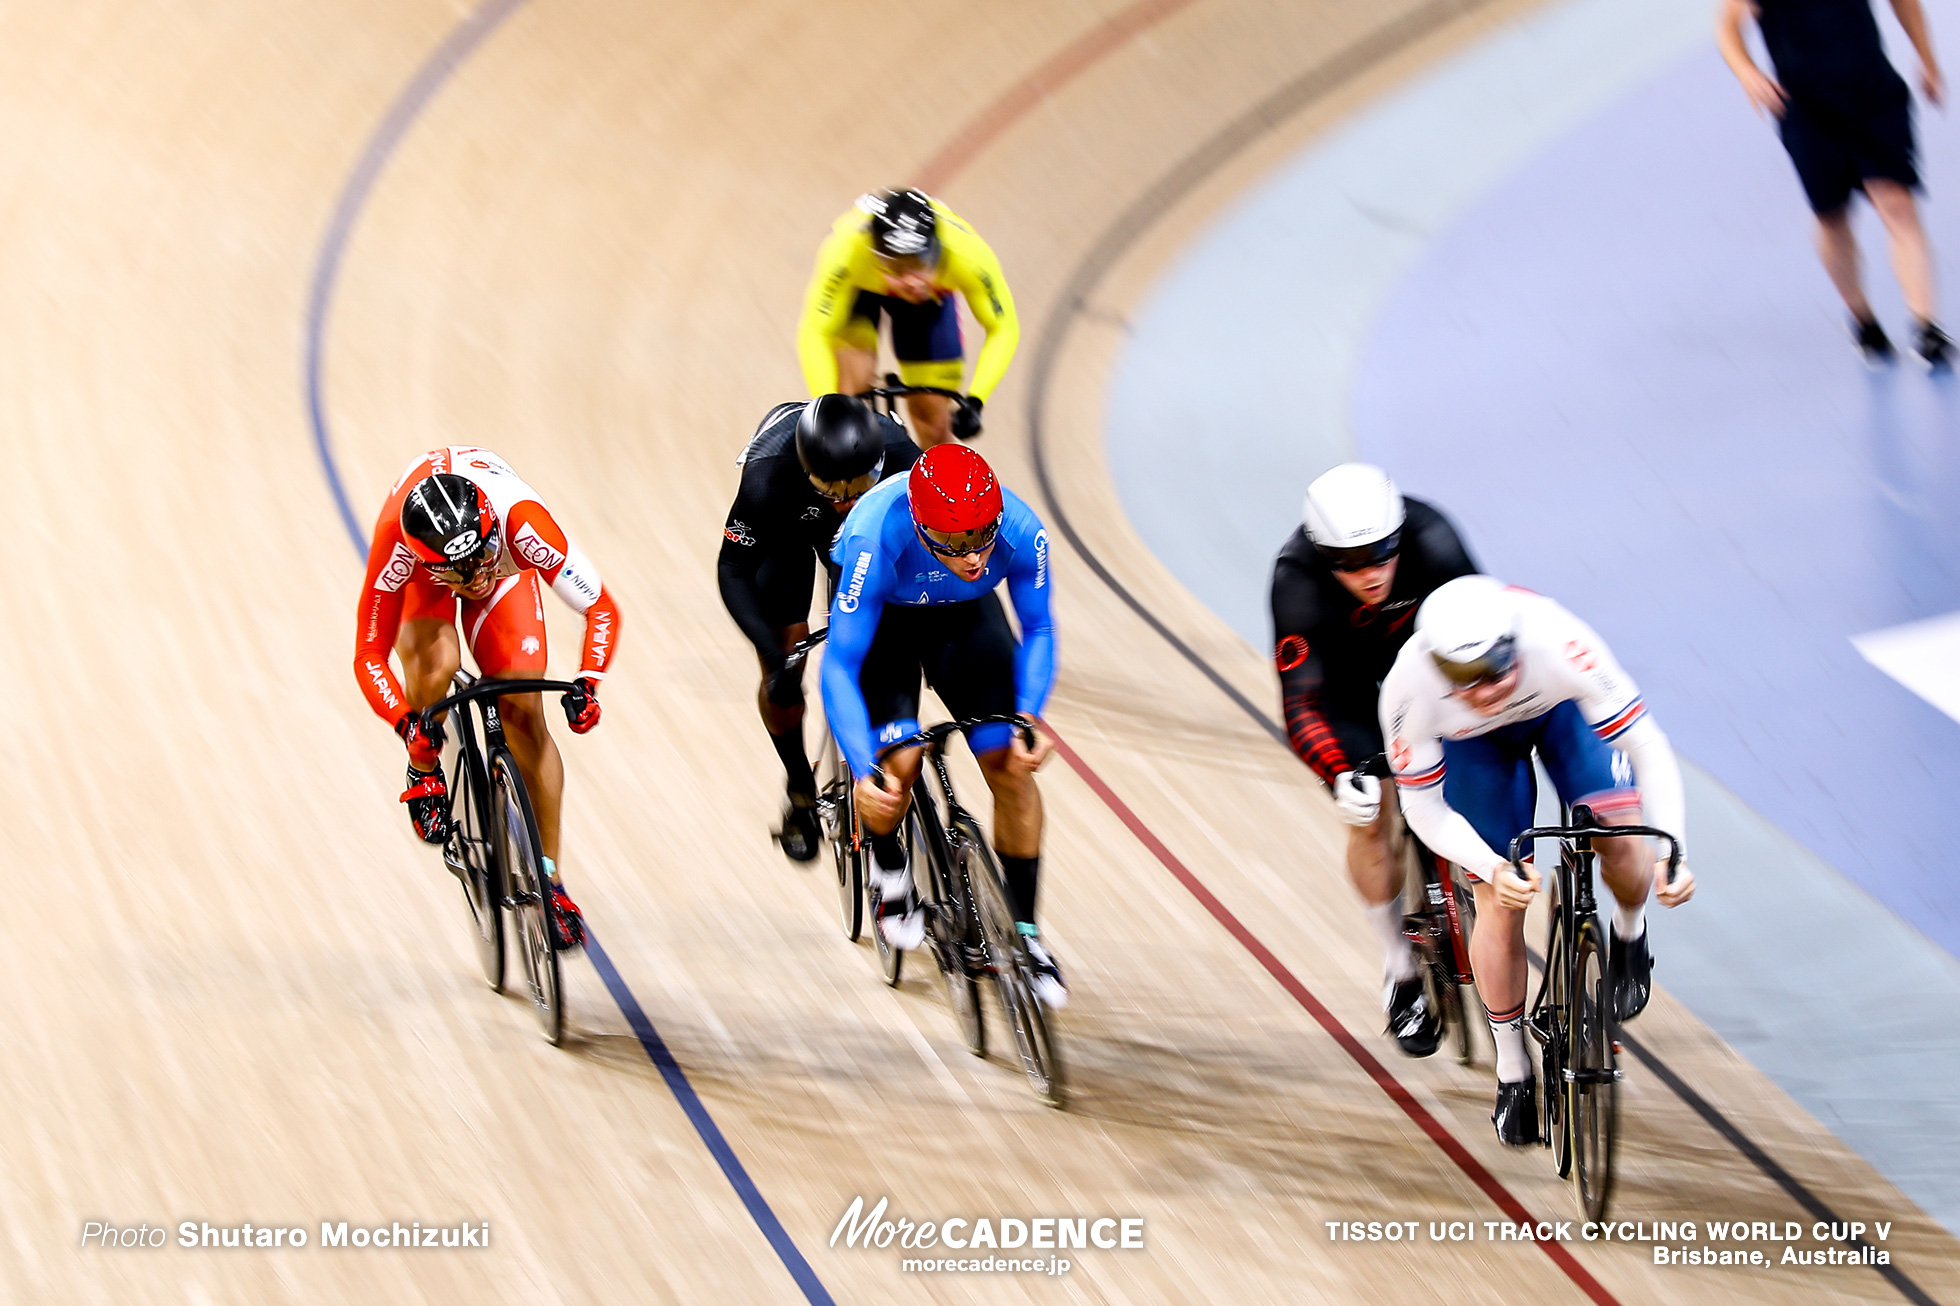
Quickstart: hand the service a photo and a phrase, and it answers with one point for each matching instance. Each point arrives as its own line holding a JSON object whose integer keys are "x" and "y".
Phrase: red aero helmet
{"x": 953, "y": 490}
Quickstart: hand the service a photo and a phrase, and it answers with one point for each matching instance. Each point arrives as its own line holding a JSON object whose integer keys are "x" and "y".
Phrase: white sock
{"x": 1629, "y": 922}
{"x": 1398, "y": 958}
{"x": 1507, "y": 1033}
{"x": 893, "y": 885}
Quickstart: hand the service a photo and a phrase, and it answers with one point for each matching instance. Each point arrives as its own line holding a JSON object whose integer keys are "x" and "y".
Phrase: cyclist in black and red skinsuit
{"x": 1345, "y": 591}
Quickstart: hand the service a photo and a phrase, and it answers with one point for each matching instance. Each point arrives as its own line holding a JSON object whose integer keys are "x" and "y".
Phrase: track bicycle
{"x": 1573, "y": 1015}
{"x": 493, "y": 845}
{"x": 969, "y": 924}
{"x": 1438, "y": 917}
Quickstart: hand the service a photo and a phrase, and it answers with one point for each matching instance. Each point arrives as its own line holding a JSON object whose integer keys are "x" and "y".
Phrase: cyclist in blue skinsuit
{"x": 918, "y": 566}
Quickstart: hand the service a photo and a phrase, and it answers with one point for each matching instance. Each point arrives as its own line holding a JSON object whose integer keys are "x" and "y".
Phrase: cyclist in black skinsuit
{"x": 1345, "y": 591}
{"x": 803, "y": 469}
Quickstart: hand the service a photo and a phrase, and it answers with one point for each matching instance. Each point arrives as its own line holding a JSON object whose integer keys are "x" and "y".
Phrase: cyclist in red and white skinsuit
{"x": 461, "y": 529}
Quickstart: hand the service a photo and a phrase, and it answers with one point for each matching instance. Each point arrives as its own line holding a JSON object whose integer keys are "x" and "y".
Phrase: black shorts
{"x": 1837, "y": 146}
{"x": 966, "y": 652}
{"x": 921, "y": 333}
{"x": 784, "y": 581}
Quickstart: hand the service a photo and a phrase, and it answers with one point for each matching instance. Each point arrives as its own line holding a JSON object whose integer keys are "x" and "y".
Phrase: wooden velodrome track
{"x": 244, "y": 993}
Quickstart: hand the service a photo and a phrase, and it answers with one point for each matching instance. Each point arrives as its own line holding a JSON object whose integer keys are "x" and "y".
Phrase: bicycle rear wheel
{"x": 1594, "y": 1091}
{"x": 469, "y": 854}
{"x": 1007, "y": 960}
{"x": 834, "y": 810}
{"x": 522, "y": 863}
{"x": 949, "y": 918}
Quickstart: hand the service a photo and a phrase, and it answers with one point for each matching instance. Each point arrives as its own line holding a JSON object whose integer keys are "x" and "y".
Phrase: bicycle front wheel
{"x": 1555, "y": 1003}
{"x": 834, "y": 809}
{"x": 522, "y": 863}
{"x": 949, "y": 918}
{"x": 1593, "y": 1092}
{"x": 469, "y": 854}
{"x": 1007, "y": 962}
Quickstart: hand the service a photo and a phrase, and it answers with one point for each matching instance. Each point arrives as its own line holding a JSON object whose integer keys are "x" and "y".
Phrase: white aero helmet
{"x": 1471, "y": 624}
{"x": 1354, "y": 516}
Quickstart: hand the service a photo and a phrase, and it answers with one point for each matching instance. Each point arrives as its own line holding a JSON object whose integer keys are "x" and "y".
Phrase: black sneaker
{"x": 1873, "y": 342}
{"x": 799, "y": 836}
{"x": 1935, "y": 350}
{"x": 428, "y": 805}
{"x": 1414, "y": 1025}
{"x": 1633, "y": 976}
{"x": 1516, "y": 1116}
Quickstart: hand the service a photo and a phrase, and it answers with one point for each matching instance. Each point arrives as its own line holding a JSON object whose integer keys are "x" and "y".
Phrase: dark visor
{"x": 1361, "y": 556}
{"x": 1494, "y": 664}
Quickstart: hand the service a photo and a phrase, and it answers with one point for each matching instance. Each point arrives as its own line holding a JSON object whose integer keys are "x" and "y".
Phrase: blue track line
{"x": 461, "y": 42}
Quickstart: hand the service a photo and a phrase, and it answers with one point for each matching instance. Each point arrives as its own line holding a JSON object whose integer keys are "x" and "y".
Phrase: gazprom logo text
{"x": 848, "y": 600}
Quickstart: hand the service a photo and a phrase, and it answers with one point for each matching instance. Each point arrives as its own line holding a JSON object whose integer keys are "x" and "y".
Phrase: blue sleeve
{"x": 1030, "y": 582}
{"x": 853, "y": 622}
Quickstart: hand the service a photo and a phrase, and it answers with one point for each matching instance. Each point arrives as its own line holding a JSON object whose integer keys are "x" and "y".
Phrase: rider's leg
{"x": 784, "y": 722}
{"x": 430, "y": 654}
{"x": 1017, "y": 829}
{"x": 931, "y": 417}
{"x": 926, "y": 339}
{"x": 1375, "y": 865}
{"x": 857, "y": 369}
{"x": 507, "y": 637}
{"x": 1489, "y": 781}
{"x": 783, "y": 583}
{"x": 536, "y": 754}
{"x": 1587, "y": 770}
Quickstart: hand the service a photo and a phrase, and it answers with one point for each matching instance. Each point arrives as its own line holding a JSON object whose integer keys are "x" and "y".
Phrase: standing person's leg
{"x": 1827, "y": 167}
{"x": 1837, "y": 248}
{"x": 1912, "y": 256}
{"x": 1887, "y": 167}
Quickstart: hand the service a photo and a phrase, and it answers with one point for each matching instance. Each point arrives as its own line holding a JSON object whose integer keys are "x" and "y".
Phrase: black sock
{"x": 1022, "y": 874}
{"x": 890, "y": 852}
{"x": 789, "y": 747}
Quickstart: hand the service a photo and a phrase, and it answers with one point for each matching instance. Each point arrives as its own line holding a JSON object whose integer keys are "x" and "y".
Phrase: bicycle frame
{"x": 1572, "y": 1020}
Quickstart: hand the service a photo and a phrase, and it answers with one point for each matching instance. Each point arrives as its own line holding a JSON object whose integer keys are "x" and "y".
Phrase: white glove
{"x": 1357, "y": 797}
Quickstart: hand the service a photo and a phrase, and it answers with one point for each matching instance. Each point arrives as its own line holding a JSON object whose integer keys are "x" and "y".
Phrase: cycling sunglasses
{"x": 964, "y": 544}
{"x": 464, "y": 570}
{"x": 1495, "y": 664}
{"x": 1363, "y": 556}
{"x": 845, "y": 491}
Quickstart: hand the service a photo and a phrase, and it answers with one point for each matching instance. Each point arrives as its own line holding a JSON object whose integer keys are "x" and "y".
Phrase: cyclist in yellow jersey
{"x": 902, "y": 254}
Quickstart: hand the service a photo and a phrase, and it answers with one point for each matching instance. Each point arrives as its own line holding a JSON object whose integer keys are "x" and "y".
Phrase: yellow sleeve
{"x": 827, "y": 303}
{"x": 970, "y": 267}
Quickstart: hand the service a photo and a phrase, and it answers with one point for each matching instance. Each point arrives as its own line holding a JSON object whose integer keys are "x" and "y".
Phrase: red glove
{"x": 424, "y": 748}
{"x": 582, "y": 706}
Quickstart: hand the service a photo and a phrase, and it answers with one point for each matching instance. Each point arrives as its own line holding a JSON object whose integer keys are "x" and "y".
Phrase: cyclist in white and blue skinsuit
{"x": 1492, "y": 675}
{"x": 919, "y": 562}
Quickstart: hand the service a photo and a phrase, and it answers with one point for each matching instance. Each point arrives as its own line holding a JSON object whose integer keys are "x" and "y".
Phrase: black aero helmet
{"x": 841, "y": 448}
{"x": 903, "y": 224}
{"x": 449, "y": 525}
